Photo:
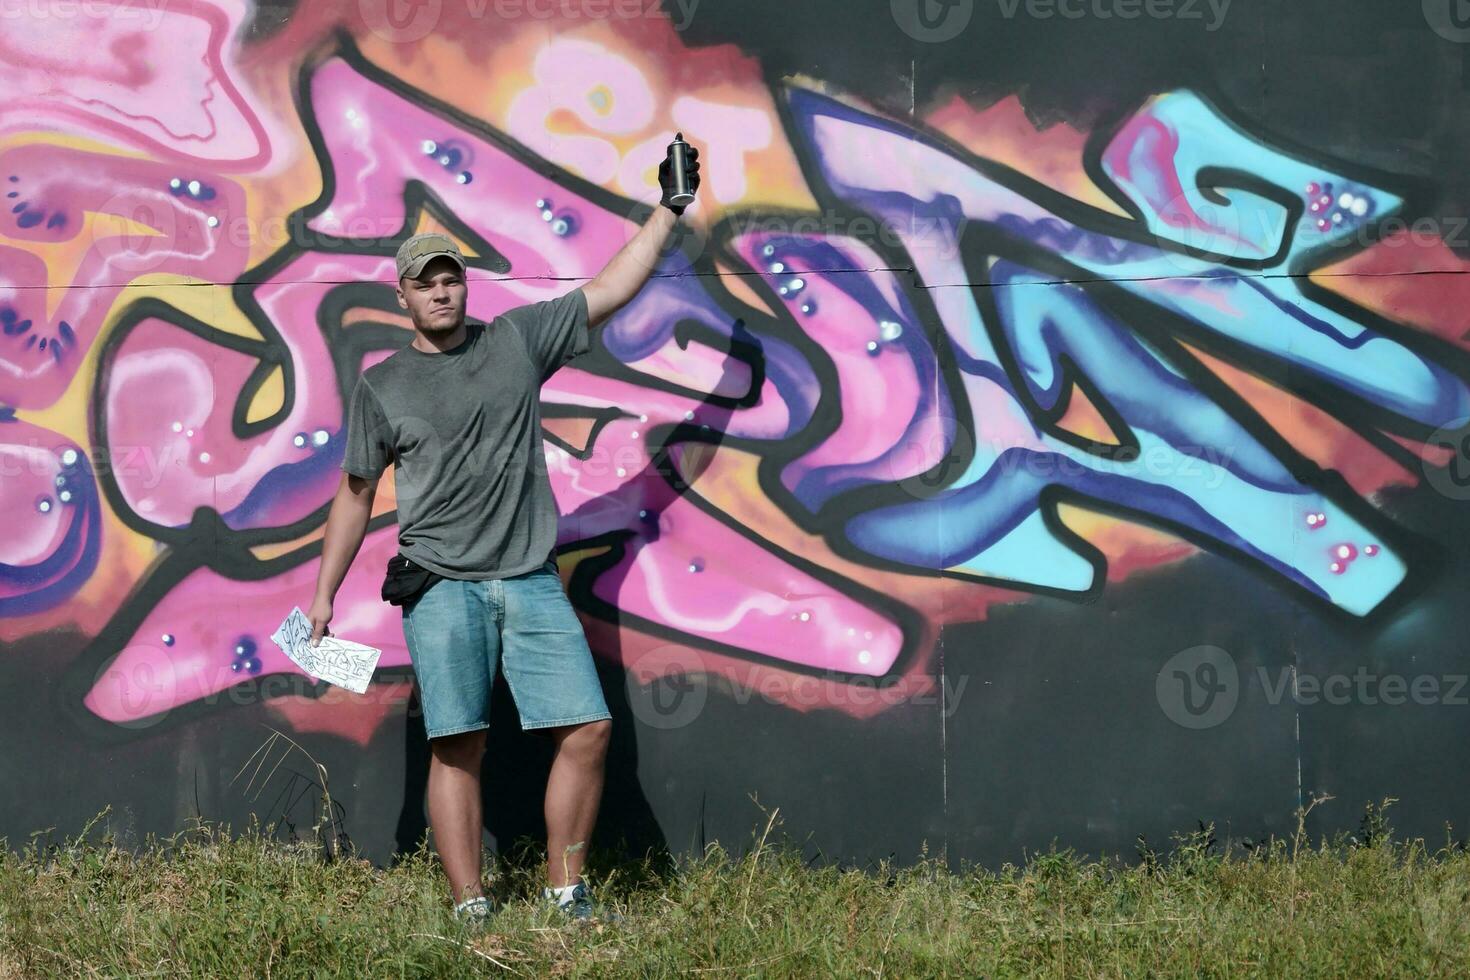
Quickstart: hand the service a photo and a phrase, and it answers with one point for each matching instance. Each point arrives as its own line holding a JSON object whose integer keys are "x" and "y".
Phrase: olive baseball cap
{"x": 419, "y": 250}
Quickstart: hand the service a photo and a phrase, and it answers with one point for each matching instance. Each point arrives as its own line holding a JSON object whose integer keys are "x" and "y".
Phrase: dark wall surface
{"x": 1051, "y": 425}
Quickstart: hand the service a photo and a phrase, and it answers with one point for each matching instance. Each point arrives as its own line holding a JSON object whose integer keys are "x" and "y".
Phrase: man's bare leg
{"x": 573, "y": 793}
{"x": 455, "y": 811}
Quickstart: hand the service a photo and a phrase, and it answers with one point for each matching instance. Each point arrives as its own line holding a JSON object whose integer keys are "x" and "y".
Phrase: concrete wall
{"x": 1053, "y": 426}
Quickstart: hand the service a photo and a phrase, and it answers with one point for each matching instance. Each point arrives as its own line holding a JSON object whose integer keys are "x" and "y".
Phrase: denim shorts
{"x": 458, "y": 632}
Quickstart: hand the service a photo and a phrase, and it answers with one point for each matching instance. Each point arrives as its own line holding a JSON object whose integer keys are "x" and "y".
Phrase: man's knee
{"x": 600, "y": 732}
{"x": 462, "y": 751}
{"x": 589, "y": 740}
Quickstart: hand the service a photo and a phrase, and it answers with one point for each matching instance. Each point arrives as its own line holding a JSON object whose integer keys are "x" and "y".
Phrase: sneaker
{"x": 578, "y": 905}
{"x": 474, "y": 911}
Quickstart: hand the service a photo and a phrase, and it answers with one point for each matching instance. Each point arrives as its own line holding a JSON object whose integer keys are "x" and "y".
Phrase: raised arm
{"x": 619, "y": 281}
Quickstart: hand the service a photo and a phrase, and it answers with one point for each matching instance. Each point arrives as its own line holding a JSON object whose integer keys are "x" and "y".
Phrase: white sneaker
{"x": 475, "y": 911}
{"x": 578, "y": 906}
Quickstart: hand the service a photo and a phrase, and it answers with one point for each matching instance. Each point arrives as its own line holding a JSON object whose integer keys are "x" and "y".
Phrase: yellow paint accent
{"x": 47, "y": 138}
{"x": 269, "y": 399}
{"x": 427, "y": 223}
{"x": 265, "y": 552}
{"x": 1114, "y": 535}
{"x": 205, "y": 301}
{"x": 1086, "y": 522}
{"x": 63, "y": 259}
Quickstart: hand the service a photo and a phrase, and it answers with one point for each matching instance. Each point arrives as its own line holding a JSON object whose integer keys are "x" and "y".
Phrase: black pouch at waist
{"x": 405, "y": 581}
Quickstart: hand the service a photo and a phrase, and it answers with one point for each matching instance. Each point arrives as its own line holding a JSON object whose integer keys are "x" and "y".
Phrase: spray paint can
{"x": 679, "y": 172}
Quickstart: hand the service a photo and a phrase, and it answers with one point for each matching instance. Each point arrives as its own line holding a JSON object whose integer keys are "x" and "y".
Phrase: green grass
{"x": 211, "y": 903}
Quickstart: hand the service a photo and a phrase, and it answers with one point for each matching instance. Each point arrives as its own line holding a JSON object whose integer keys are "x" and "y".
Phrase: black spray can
{"x": 679, "y": 171}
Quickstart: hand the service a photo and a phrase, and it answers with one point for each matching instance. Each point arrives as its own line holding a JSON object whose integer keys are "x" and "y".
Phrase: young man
{"x": 457, "y": 413}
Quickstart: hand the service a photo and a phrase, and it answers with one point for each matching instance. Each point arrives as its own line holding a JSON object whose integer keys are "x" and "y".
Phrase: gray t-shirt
{"x": 462, "y": 429}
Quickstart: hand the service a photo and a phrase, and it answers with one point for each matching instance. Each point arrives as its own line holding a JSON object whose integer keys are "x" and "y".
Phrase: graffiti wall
{"x": 1017, "y": 444}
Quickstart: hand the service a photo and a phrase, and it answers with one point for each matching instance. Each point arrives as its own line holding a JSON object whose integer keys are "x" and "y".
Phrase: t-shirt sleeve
{"x": 369, "y": 436}
{"x": 555, "y": 330}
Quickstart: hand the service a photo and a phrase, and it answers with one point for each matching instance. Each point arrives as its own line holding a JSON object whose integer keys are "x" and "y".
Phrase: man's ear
{"x": 402, "y": 303}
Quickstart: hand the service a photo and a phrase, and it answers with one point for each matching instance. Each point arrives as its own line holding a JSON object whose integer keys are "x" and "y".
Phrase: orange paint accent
{"x": 575, "y": 432}
{"x": 1004, "y": 133}
{"x": 1410, "y": 279}
{"x": 1083, "y": 418}
{"x": 1434, "y": 455}
{"x": 364, "y": 314}
{"x": 1129, "y": 548}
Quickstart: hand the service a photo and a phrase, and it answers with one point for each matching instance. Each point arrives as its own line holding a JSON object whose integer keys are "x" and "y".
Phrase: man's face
{"x": 436, "y": 299}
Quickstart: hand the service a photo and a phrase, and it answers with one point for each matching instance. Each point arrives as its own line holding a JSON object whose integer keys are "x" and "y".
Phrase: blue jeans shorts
{"x": 458, "y": 632}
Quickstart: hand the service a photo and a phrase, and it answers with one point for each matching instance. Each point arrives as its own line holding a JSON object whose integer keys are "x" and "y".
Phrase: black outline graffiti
{"x": 207, "y": 543}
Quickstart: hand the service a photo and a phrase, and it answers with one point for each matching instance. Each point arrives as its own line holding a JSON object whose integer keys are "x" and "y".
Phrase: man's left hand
{"x": 666, "y": 180}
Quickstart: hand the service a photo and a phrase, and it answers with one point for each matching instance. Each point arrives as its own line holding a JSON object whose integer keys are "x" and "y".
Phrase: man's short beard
{"x": 444, "y": 328}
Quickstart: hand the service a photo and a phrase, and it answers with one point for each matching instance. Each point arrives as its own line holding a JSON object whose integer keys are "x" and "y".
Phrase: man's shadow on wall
{"x": 517, "y": 763}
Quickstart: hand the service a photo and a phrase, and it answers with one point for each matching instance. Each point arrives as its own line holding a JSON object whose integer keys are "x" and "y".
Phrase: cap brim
{"x": 414, "y": 268}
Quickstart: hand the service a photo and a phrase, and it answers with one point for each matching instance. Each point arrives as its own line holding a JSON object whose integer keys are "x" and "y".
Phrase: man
{"x": 457, "y": 412}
